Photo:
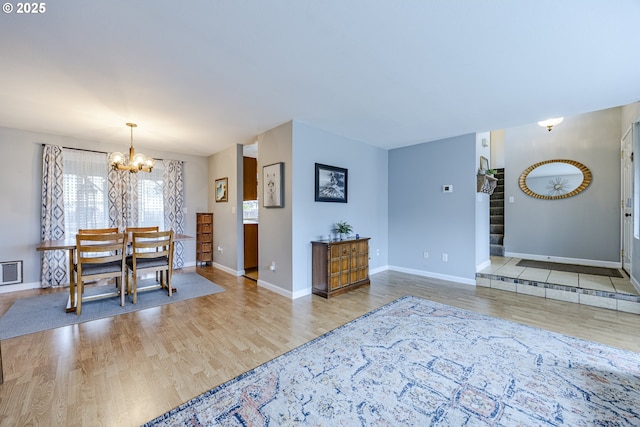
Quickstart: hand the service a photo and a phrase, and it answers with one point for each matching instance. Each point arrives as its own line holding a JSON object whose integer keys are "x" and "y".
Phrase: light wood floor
{"x": 126, "y": 370}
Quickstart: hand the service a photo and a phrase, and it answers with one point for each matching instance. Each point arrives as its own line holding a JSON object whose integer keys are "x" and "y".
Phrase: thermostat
{"x": 447, "y": 188}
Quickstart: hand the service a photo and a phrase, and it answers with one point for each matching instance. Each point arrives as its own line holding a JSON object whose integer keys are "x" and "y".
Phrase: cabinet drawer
{"x": 204, "y": 228}
{"x": 205, "y": 218}
{"x": 205, "y": 247}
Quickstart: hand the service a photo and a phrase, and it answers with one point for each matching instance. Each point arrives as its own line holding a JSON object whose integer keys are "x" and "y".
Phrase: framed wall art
{"x": 331, "y": 184}
{"x": 484, "y": 163}
{"x": 273, "y": 185}
{"x": 222, "y": 189}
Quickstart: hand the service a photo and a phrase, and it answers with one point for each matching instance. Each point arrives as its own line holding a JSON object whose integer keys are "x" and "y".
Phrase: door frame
{"x": 626, "y": 200}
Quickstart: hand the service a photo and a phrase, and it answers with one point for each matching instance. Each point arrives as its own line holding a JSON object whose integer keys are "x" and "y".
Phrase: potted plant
{"x": 344, "y": 228}
{"x": 491, "y": 172}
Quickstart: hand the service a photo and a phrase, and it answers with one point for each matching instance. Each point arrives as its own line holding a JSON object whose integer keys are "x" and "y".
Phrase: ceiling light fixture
{"x": 549, "y": 123}
{"x": 137, "y": 162}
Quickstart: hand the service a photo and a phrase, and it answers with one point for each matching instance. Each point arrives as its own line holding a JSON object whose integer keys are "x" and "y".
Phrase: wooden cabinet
{"x": 338, "y": 266}
{"x": 204, "y": 238}
{"x": 250, "y": 178}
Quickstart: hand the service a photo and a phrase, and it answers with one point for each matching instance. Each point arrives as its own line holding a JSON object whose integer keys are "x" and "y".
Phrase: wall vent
{"x": 10, "y": 272}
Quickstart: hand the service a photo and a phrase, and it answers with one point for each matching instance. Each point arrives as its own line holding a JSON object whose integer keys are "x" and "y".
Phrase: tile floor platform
{"x": 599, "y": 291}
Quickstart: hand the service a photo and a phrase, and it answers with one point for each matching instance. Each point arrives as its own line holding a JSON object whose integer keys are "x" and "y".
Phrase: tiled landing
{"x": 599, "y": 291}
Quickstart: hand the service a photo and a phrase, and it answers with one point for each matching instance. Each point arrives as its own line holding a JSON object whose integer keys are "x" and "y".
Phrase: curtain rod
{"x": 96, "y": 151}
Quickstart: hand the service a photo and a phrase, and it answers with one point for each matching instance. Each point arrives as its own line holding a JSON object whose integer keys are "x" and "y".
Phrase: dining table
{"x": 69, "y": 244}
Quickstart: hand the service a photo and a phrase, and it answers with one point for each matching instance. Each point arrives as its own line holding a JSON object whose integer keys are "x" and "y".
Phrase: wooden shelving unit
{"x": 204, "y": 238}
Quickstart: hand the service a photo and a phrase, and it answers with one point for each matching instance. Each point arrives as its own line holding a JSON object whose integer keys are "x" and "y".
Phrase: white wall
{"x": 584, "y": 228}
{"x": 424, "y": 218}
{"x": 275, "y": 224}
{"x": 482, "y": 228}
{"x": 21, "y": 177}
{"x": 228, "y": 233}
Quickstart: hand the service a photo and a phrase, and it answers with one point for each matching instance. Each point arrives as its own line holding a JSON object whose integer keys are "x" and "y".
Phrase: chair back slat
{"x": 100, "y": 248}
{"x": 152, "y": 244}
{"x": 98, "y": 230}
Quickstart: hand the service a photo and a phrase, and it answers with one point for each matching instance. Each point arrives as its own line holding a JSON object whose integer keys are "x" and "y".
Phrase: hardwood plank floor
{"x": 126, "y": 370}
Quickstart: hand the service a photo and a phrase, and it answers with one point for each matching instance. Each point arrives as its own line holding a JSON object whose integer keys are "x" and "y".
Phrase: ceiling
{"x": 199, "y": 76}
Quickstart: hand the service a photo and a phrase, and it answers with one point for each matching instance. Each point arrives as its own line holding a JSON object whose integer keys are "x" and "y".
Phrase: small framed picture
{"x": 222, "y": 189}
{"x": 484, "y": 163}
{"x": 273, "y": 185}
{"x": 331, "y": 184}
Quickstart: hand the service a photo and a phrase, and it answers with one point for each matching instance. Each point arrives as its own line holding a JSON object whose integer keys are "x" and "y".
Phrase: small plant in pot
{"x": 344, "y": 228}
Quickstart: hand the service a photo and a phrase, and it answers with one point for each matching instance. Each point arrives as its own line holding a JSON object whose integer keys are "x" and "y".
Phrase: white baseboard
{"x": 484, "y": 265}
{"x": 432, "y": 275}
{"x": 635, "y": 284}
{"x": 19, "y": 287}
{"x": 227, "y": 269}
{"x": 563, "y": 260}
{"x": 378, "y": 270}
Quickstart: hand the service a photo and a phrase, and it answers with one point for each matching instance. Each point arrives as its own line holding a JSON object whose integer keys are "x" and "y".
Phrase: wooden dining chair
{"x": 150, "y": 251}
{"x": 100, "y": 256}
{"x": 131, "y": 230}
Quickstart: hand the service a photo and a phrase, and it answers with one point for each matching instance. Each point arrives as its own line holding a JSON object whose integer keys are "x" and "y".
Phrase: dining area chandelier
{"x": 136, "y": 162}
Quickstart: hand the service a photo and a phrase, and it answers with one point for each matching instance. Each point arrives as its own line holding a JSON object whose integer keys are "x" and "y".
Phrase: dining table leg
{"x": 71, "y": 306}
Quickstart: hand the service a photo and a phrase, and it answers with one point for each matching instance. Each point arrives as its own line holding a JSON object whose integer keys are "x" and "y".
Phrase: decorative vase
{"x": 343, "y": 236}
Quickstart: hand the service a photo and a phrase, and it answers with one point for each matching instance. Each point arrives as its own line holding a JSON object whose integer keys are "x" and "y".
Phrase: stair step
{"x": 496, "y": 239}
{"x": 496, "y": 250}
{"x": 496, "y": 210}
{"x": 496, "y": 219}
{"x": 496, "y": 228}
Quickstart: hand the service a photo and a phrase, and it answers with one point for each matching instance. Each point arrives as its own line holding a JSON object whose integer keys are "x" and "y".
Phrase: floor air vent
{"x": 10, "y": 272}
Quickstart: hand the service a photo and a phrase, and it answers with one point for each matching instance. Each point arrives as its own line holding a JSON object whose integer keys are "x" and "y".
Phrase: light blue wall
{"x": 367, "y": 203}
{"x": 584, "y": 228}
{"x": 424, "y": 218}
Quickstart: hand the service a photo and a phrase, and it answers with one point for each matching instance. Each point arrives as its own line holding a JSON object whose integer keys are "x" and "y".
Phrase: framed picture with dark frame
{"x": 273, "y": 185}
{"x": 331, "y": 184}
{"x": 222, "y": 189}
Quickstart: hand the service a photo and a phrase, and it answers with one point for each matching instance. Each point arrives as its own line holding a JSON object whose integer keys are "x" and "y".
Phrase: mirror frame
{"x": 586, "y": 174}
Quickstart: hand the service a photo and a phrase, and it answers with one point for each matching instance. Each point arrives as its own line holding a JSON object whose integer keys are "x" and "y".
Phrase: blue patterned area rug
{"x": 415, "y": 362}
{"x": 34, "y": 314}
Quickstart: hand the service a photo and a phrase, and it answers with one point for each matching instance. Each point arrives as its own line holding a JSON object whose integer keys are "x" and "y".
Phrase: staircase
{"x": 496, "y": 217}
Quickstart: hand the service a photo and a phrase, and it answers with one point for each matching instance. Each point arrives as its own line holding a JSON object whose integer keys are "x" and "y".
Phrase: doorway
{"x": 250, "y": 220}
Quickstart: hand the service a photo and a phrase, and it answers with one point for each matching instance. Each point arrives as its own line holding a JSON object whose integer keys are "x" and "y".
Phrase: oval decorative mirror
{"x": 555, "y": 179}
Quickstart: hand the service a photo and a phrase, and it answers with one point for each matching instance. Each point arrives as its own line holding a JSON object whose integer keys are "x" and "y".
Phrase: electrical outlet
{"x": 445, "y": 257}
{"x": 425, "y": 254}
{"x": 377, "y": 251}
{"x": 220, "y": 250}
{"x": 272, "y": 267}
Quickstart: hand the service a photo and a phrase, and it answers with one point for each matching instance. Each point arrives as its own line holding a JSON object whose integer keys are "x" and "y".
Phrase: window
{"x": 150, "y": 198}
{"x": 85, "y": 190}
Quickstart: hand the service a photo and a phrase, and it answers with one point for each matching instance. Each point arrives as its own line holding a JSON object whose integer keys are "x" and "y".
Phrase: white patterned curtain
{"x": 54, "y": 263}
{"x": 123, "y": 199}
{"x": 173, "y": 194}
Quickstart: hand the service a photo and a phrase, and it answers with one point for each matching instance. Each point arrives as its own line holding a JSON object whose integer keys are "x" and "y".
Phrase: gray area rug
{"x": 43, "y": 312}
{"x": 572, "y": 268}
